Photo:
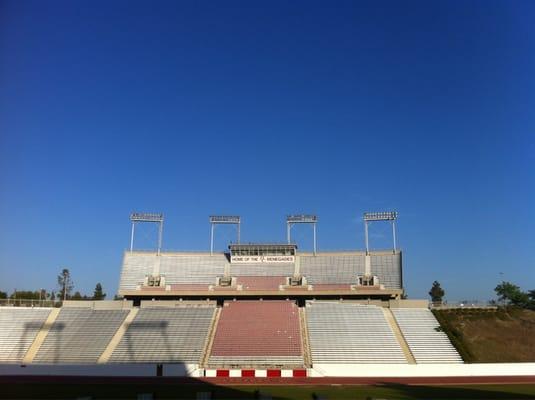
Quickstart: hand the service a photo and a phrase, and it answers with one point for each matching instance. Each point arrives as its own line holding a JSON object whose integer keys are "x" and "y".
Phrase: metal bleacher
{"x": 177, "y": 268}
{"x": 387, "y": 267}
{"x": 18, "y": 328}
{"x": 136, "y": 266}
{"x": 192, "y": 269}
{"x": 166, "y": 334}
{"x": 344, "y": 268}
{"x": 350, "y": 333}
{"x": 79, "y": 335}
{"x": 421, "y": 332}
{"x": 331, "y": 269}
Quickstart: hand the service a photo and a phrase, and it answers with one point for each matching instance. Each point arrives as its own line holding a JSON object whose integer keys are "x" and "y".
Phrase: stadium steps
{"x": 305, "y": 340}
{"x": 210, "y": 338}
{"x": 399, "y": 336}
{"x": 41, "y": 336}
{"x": 114, "y": 342}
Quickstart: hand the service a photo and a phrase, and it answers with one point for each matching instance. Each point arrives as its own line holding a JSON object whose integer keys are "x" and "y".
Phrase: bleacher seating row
{"x": 246, "y": 333}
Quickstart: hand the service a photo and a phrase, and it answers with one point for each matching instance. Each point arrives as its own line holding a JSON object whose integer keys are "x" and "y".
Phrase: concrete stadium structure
{"x": 256, "y": 311}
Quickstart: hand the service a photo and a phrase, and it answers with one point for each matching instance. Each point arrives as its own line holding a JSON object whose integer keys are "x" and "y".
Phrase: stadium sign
{"x": 261, "y": 259}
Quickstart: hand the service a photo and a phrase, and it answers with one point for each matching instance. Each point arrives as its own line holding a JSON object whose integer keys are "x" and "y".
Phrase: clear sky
{"x": 262, "y": 109}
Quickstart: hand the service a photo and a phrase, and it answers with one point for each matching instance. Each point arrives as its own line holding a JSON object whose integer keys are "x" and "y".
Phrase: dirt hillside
{"x": 491, "y": 336}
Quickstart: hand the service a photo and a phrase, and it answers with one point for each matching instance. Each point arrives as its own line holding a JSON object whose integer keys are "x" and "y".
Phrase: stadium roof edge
{"x": 302, "y": 253}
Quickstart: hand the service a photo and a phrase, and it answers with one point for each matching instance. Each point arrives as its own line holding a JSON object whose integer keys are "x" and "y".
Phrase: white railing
{"x": 30, "y": 303}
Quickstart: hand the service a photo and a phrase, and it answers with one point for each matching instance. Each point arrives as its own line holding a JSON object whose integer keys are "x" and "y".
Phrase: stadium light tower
{"x": 380, "y": 216}
{"x": 223, "y": 219}
{"x": 147, "y": 217}
{"x": 291, "y": 220}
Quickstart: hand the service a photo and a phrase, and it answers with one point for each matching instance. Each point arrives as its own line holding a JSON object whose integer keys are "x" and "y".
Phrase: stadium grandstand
{"x": 257, "y": 309}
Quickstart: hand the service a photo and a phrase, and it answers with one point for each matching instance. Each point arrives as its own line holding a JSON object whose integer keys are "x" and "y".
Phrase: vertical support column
{"x": 394, "y": 234}
{"x": 160, "y": 234}
{"x": 288, "y": 227}
{"x": 367, "y": 265}
{"x": 366, "y": 236}
{"x": 211, "y": 239}
{"x": 147, "y": 217}
{"x": 315, "y": 244}
{"x": 132, "y": 237}
{"x": 223, "y": 219}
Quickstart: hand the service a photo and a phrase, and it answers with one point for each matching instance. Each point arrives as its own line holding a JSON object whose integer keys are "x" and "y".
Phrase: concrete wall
{"x": 319, "y": 370}
{"x": 421, "y": 370}
{"x": 409, "y": 304}
{"x": 101, "y": 370}
{"x": 100, "y": 304}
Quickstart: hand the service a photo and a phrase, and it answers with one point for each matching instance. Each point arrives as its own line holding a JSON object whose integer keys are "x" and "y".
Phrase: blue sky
{"x": 262, "y": 109}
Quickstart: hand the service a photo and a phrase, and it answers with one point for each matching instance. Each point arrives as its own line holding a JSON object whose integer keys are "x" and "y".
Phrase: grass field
{"x": 491, "y": 336}
{"x": 190, "y": 391}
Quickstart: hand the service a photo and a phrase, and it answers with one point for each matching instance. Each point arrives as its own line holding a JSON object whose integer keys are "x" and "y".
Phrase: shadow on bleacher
{"x": 155, "y": 326}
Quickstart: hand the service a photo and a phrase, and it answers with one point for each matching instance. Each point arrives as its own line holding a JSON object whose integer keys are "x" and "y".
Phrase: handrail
{"x": 30, "y": 303}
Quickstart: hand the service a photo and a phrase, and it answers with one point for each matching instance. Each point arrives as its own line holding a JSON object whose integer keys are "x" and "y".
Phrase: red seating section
{"x": 261, "y": 282}
{"x": 258, "y": 328}
{"x": 331, "y": 286}
{"x": 185, "y": 286}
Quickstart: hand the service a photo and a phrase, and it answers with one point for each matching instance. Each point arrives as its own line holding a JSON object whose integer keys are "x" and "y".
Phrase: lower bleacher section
{"x": 248, "y": 334}
{"x": 350, "y": 333}
{"x": 423, "y": 336}
{"x": 79, "y": 335}
{"x": 18, "y": 328}
{"x": 257, "y": 333}
{"x": 161, "y": 333}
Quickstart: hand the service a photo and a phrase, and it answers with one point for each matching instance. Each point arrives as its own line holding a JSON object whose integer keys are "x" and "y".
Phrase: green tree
{"x": 3, "y": 295}
{"x": 77, "y": 296}
{"x": 509, "y": 293}
{"x": 436, "y": 292}
{"x": 65, "y": 284}
{"x": 25, "y": 295}
{"x": 98, "y": 294}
